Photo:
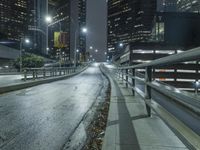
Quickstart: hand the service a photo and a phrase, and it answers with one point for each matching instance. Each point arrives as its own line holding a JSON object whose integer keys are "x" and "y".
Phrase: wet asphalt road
{"x": 43, "y": 117}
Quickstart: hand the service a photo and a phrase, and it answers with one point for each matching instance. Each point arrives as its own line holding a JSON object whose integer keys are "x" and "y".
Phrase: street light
{"x": 84, "y": 30}
{"x": 22, "y": 40}
{"x": 96, "y": 50}
{"x": 27, "y": 41}
{"x": 91, "y": 47}
{"x": 121, "y": 44}
{"x": 48, "y": 20}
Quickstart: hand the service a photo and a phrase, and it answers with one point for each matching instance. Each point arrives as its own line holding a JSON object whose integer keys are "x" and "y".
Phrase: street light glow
{"x": 77, "y": 51}
{"x": 27, "y": 41}
{"x": 96, "y": 50}
{"x": 121, "y": 44}
{"x": 48, "y": 19}
{"x": 91, "y": 47}
{"x": 84, "y": 30}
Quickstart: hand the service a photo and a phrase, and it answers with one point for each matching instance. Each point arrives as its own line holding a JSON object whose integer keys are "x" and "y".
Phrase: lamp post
{"x": 83, "y": 30}
{"x": 48, "y": 20}
{"x": 22, "y": 40}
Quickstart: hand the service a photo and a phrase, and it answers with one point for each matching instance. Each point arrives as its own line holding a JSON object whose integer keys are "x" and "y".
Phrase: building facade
{"x": 128, "y": 21}
{"x": 82, "y": 24}
{"x": 60, "y": 11}
{"x": 37, "y": 26}
{"x": 69, "y": 18}
{"x": 13, "y": 21}
{"x": 188, "y": 6}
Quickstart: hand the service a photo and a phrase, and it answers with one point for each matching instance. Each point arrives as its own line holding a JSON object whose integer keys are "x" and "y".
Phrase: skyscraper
{"x": 69, "y": 17}
{"x": 129, "y": 21}
{"x": 82, "y": 24}
{"x": 166, "y": 5}
{"x": 60, "y": 10}
{"x": 37, "y": 25}
{"x": 13, "y": 21}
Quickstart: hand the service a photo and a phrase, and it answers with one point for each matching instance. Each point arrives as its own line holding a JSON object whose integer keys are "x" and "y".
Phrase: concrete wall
{"x": 8, "y": 53}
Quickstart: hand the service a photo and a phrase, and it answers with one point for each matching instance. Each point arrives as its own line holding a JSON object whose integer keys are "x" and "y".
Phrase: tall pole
{"x": 75, "y": 48}
{"x": 60, "y": 47}
{"x": 47, "y": 31}
{"x": 20, "y": 55}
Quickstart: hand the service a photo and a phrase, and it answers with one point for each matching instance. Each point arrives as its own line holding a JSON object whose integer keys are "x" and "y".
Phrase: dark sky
{"x": 96, "y": 24}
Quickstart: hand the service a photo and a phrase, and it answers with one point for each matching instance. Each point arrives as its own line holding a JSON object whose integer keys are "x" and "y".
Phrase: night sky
{"x": 97, "y": 28}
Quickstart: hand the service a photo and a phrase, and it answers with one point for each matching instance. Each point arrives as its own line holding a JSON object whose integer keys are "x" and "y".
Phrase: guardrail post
{"x": 33, "y": 74}
{"x": 122, "y": 71}
{"x": 25, "y": 75}
{"x": 126, "y": 77}
{"x": 133, "y": 81}
{"x": 148, "y": 78}
{"x": 36, "y": 74}
{"x": 44, "y": 73}
{"x": 118, "y": 72}
{"x": 60, "y": 71}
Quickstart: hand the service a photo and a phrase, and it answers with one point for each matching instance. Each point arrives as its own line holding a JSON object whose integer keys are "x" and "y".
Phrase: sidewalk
{"x": 129, "y": 128}
{"x": 13, "y": 83}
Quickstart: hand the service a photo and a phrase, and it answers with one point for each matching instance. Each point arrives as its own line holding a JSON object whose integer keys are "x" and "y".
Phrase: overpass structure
{"x": 7, "y": 54}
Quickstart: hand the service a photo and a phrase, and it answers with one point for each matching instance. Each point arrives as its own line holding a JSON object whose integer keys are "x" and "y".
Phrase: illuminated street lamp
{"x": 23, "y": 40}
{"x": 96, "y": 50}
{"x": 121, "y": 44}
{"x": 91, "y": 47}
{"x": 83, "y": 30}
{"x": 48, "y": 20}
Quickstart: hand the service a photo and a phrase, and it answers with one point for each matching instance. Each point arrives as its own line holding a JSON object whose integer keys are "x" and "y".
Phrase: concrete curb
{"x": 15, "y": 87}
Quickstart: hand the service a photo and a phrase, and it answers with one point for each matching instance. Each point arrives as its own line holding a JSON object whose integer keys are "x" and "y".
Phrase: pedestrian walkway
{"x": 129, "y": 128}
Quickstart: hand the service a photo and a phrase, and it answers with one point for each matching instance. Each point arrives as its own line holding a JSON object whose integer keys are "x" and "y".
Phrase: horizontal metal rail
{"x": 186, "y": 102}
{"x": 190, "y": 55}
{"x": 36, "y": 73}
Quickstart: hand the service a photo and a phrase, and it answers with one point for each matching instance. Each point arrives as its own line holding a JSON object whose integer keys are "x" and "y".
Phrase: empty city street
{"x": 43, "y": 117}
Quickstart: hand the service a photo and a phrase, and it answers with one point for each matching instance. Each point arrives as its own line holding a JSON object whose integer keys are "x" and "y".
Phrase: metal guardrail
{"x": 36, "y": 73}
{"x": 129, "y": 72}
{"x": 181, "y": 100}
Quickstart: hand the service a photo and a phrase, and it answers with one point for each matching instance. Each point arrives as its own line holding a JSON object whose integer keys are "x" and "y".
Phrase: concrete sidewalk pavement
{"x": 129, "y": 128}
